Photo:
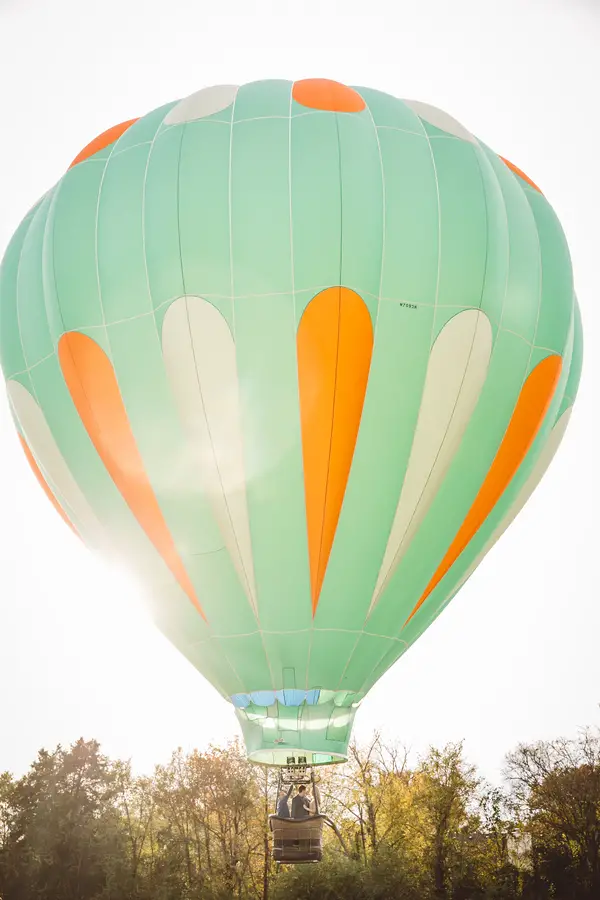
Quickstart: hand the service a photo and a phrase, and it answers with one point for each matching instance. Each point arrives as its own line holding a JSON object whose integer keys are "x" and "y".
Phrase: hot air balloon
{"x": 299, "y": 353}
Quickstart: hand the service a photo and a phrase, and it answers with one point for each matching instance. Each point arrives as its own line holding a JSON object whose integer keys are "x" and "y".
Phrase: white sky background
{"x": 516, "y": 655}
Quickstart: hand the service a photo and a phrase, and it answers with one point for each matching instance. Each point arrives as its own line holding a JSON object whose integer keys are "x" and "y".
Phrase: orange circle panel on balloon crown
{"x": 520, "y": 173}
{"x": 103, "y": 140}
{"x": 320, "y": 93}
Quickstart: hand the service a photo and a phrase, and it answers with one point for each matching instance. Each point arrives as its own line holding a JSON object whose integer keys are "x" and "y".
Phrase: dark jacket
{"x": 300, "y": 807}
{"x": 283, "y": 807}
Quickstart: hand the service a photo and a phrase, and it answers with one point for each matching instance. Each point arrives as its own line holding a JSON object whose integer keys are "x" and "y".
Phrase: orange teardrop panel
{"x": 528, "y": 415}
{"x": 335, "y": 344}
{"x": 93, "y": 386}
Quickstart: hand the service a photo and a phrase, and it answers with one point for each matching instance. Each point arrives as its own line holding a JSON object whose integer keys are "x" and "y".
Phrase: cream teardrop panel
{"x": 539, "y": 470}
{"x": 456, "y": 373}
{"x": 440, "y": 119}
{"x": 203, "y": 103}
{"x": 199, "y": 355}
{"x": 53, "y": 465}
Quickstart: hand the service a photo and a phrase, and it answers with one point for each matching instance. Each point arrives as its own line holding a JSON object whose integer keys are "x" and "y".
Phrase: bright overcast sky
{"x": 516, "y": 655}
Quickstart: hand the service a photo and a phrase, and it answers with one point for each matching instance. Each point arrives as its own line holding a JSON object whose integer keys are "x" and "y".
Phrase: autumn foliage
{"x": 79, "y": 826}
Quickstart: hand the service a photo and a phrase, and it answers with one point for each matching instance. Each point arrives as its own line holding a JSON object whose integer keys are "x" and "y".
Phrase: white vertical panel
{"x": 53, "y": 465}
{"x": 456, "y": 373}
{"x": 199, "y": 355}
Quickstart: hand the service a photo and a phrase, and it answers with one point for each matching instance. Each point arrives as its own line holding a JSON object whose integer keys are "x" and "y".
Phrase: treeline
{"x": 80, "y": 826}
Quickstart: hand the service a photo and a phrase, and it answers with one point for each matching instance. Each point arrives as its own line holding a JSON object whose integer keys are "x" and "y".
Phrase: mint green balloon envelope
{"x": 298, "y": 353}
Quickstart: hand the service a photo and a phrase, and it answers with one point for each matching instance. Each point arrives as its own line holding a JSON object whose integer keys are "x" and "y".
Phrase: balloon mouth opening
{"x": 310, "y": 734}
{"x": 285, "y": 756}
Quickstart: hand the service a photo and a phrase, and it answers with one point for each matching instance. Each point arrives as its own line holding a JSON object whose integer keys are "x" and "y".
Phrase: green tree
{"x": 445, "y": 795}
{"x": 65, "y": 840}
{"x": 557, "y": 785}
